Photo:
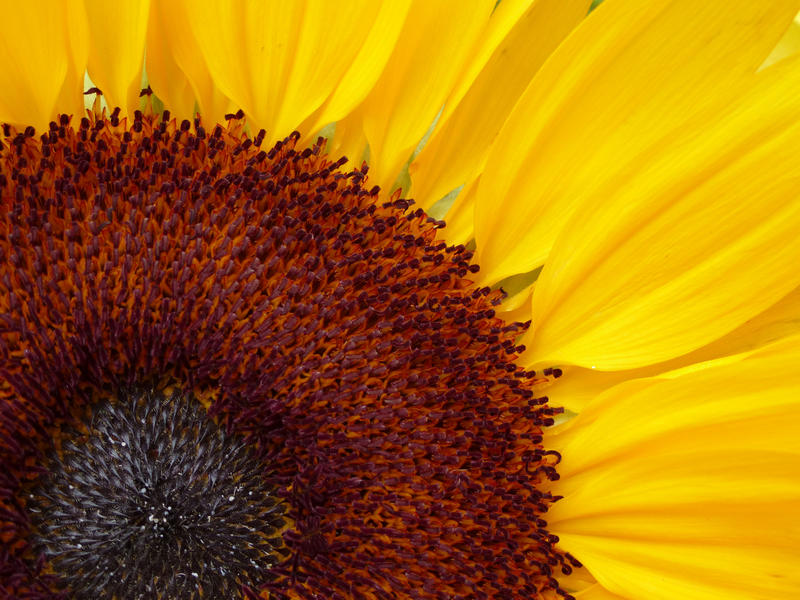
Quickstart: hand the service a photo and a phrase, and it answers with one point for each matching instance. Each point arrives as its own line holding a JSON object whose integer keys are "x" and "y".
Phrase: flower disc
{"x": 322, "y": 323}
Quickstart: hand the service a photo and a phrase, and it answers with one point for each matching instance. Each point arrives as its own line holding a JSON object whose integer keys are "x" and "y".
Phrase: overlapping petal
{"x": 471, "y": 119}
{"x": 787, "y": 46}
{"x": 164, "y": 70}
{"x": 674, "y": 253}
{"x": 688, "y": 487}
{"x": 581, "y": 385}
{"x": 281, "y": 62}
{"x": 596, "y": 592}
{"x": 367, "y": 66}
{"x": 630, "y": 75}
{"x": 116, "y": 49}
{"x": 460, "y": 227}
{"x": 42, "y": 60}
{"x": 435, "y": 41}
{"x": 176, "y": 67}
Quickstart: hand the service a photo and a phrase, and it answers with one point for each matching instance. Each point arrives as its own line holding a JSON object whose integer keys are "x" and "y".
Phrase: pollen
{"x": 294, "y": 308}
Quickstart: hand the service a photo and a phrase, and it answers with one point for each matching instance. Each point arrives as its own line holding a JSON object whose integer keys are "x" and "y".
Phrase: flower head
{"x": 233, "y": 365}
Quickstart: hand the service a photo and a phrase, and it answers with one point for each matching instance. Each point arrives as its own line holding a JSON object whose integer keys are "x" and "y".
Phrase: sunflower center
{"x": 153, "y": 499}
{"x": 342, "y": 338}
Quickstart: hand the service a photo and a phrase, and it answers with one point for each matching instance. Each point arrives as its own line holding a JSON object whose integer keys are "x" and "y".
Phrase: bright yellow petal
{"x": 71, "y": 99}
{"x": 436, "y": 39}
{"x": 778, "y": 322}
{"x": 458, "y": 147}
{"x": 164, "y": 73}
{"x": 175, "y": 65}
{"x": 280, "y": 61}
{"x": 580, "y": 385}
{"x": 689, "y": 487}
{"x": 368, "y": 64}
{"x": 460, "y": 218}
{"x": 38, "y": 62}
{"x": 596, "y": 592}
{"x": 629, "y": 76}
{"x": 686, "y": 246}
{"x": 504, "y": 18}
{"x": 788, "y": 45}
{"x": 517, "y": 307}
{"x": 117, "y": 35}
{"x": 349, "y": 140}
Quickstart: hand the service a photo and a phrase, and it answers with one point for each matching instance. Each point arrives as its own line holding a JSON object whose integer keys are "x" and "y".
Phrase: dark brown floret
{"x": 325, "y": 324}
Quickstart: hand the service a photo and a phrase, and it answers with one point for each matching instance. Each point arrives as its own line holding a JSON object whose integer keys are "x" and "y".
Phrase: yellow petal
{"x": 788, "y": 45}
{"x": 164, "y": 73}
{"x": 71, "y": 99}
{"x": 503, "y": 19}
{"x": 175, "y": 65}
{"x": 280, "y": 61}
{"x": 368, "y": 64}
{"x": 582, "y": 585}
{"x": 685, "y": 247}
{"x": 460, "y": 218}
{"x": 517, "y": 308}
{"x": 580, "y": 385}
{"x": 689, "y": 487}
{"x": 596, "y": 592}
{"x": 116, "y": 49}
{"x": 436, "y": 39}
{"x": 630, "y": 75}
{"x": 349, "y": 140}
{"x": 38, "y": 62}
{"x": 778, "y": 322}
{"x": 458, "y": 147}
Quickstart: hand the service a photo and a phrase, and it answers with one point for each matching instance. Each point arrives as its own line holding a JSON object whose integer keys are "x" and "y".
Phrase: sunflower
{"x": 235, "y": 363}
